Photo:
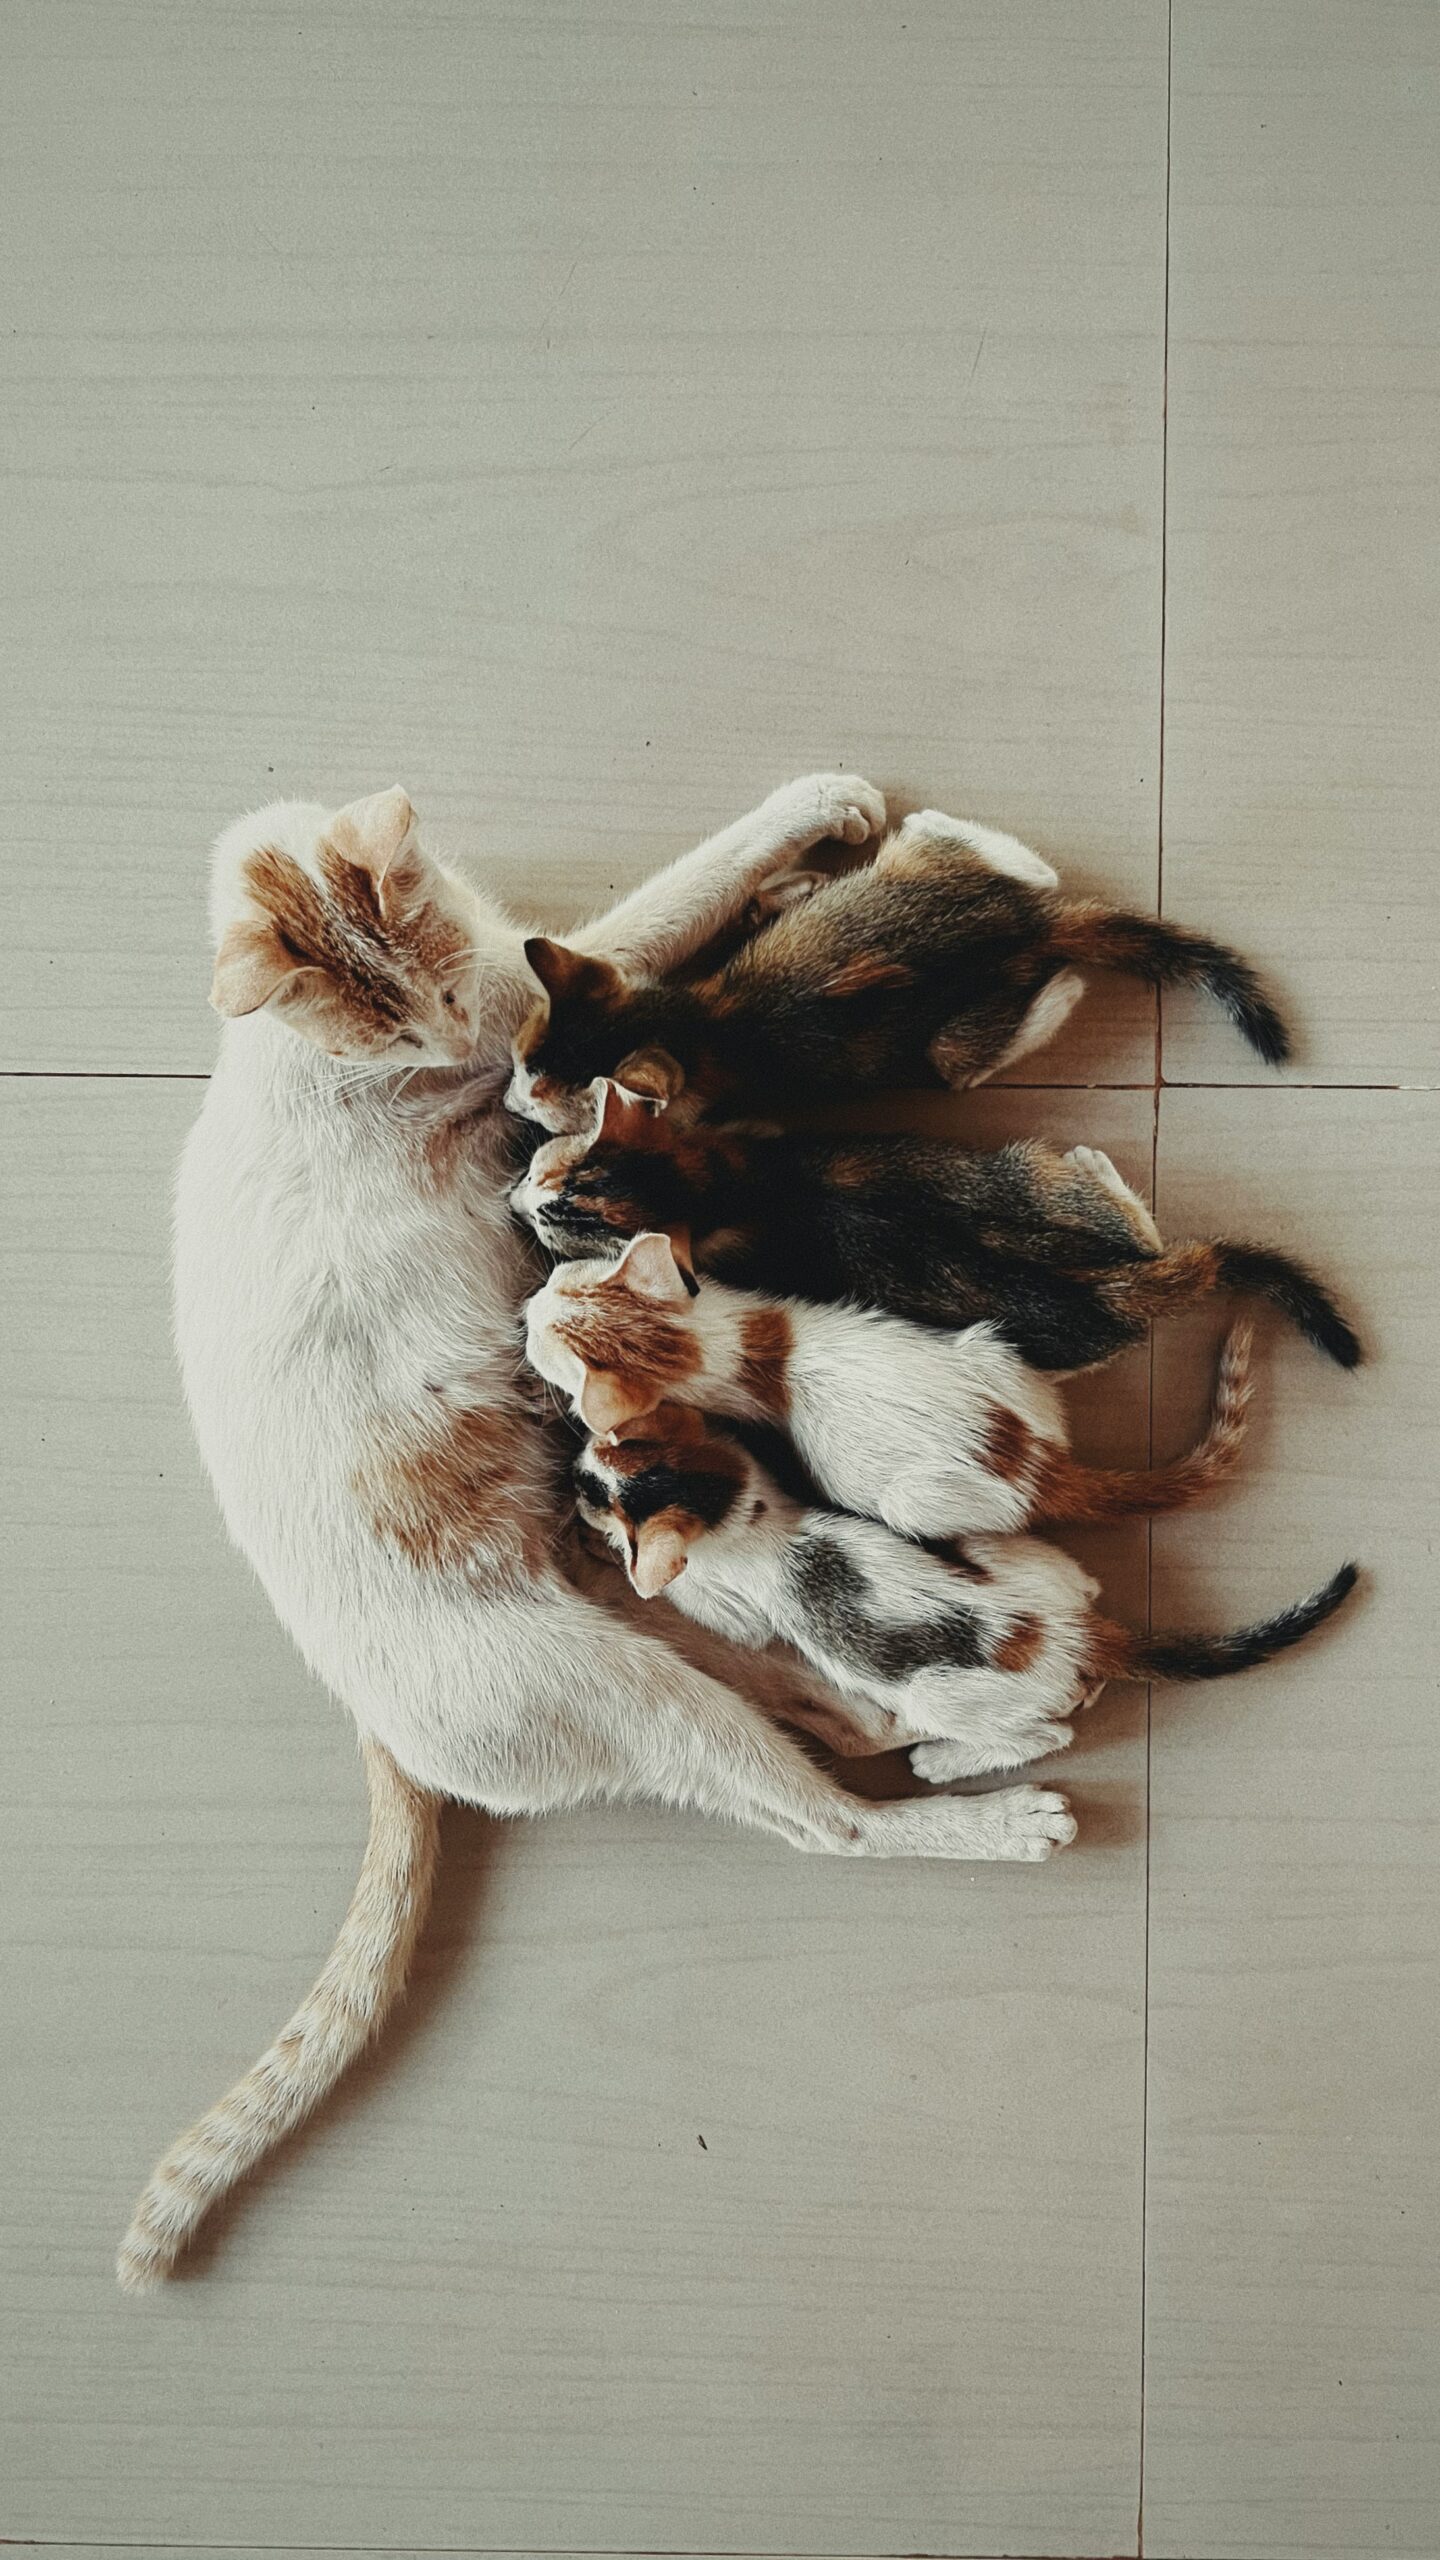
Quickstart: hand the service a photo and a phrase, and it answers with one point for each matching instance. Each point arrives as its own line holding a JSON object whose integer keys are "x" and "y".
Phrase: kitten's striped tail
{"x": 1067, "y": 1490}
{"x": 359, "y": 1984}
{"x": 1118, "y": 1653}
{"x": 1170, "y": 955}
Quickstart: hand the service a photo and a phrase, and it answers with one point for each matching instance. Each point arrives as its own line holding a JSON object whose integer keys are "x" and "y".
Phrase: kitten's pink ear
{"x": 606, "y": 1402}
{"x": 658, "y": 1556}
{"x": 625, "y": 1120}
{"x": 571, "y": 977}
{"x": 675, "y": 1424}
{"x": 650, "y": 1269}
{"x": 377, "y": 834}
{"x": 251, "y": 965}
{"x": 653, "y": 1074}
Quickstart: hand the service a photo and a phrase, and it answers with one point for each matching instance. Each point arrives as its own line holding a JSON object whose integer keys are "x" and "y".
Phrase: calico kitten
{"x": 348, "y": 1287}
{"x": 979, "y": 1660}
{"x": 935, "y": 1434}
{"x": 1056, "y": 1250}
{"x": 953, "y": 954}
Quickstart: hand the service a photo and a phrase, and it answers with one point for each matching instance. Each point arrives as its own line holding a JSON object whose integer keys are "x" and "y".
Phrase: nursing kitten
{"x": 348, "y": 1286}
{"x": 1056, "y": 1250}
{"x": 935, "y": 1434}
{"x": 979, "y": 1660}
{"x": 953, "y": 954}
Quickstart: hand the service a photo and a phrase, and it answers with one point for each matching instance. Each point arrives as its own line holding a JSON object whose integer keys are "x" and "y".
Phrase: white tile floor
{"x": 590, "y": 415}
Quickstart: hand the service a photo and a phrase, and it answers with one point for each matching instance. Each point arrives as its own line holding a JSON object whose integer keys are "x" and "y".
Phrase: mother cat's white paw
{"x": 834, "y": 804}
{"x": 1031, "y": 1821}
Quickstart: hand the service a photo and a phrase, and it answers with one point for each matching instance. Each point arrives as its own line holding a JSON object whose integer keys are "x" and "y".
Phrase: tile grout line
{"x": 1150, "y": 1084}
{"x": 1154, "y": 1203}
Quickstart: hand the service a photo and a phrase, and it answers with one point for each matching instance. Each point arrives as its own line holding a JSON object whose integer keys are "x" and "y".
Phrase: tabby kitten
{"x": 1055, "y": 1250}
{"x": 953, "y": 954}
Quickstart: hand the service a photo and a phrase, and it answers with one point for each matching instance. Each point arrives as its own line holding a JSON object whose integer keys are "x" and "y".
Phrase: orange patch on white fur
{"x": 454, "y": 1491}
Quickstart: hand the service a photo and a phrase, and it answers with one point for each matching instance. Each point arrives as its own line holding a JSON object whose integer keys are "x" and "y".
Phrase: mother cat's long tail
{"x": 362, "y": 1978}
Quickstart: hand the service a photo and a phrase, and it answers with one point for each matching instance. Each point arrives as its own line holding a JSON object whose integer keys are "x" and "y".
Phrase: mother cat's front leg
{"x": 674, "y": 914}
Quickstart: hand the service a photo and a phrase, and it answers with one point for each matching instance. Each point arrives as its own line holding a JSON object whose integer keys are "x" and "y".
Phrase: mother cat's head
{"x": 336, "y": 923}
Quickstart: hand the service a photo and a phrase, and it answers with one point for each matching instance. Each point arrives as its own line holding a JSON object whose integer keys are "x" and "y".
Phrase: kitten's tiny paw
{"x": 785, "y": 889}
{"x": 1097, "y": 1164}
{"x": 989, "y": 845}
{"x": 939, "y": 1763}
{"x": 1031, "y": 1821}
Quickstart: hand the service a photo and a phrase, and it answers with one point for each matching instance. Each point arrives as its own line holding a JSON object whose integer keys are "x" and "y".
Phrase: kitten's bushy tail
{"x": 1119, "y": 1653}
{"x": 1182, "y": 1273}
{"x": 1067, "y": 1490}
{"x": 362, "y": 1978}
{"x": 1170, "y": 955}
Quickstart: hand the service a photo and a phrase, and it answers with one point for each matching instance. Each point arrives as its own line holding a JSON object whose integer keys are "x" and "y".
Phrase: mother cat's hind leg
{"x": 583, "y": 1710}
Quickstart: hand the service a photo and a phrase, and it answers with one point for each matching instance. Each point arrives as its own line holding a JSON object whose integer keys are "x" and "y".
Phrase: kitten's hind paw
{"x": 1097, "y": 1164}
{"x": 939, "y": 1763}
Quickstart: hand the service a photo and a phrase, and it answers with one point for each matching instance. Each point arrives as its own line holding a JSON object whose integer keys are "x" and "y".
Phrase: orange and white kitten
{"x": 937, "y": 1434}
{"x": 348, "y": 1289}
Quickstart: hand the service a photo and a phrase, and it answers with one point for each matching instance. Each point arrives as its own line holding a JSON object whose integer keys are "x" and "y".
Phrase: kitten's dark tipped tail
{"x": 1170, "y": 955}
{"x": 1253, "y": 1270}
{"x": 1119, "y": 1653}
{"x": 1180, "y": 1274}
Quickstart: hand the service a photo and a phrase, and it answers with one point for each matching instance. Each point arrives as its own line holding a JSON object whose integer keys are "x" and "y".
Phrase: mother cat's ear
{"x": 648, "y": 1267}
{"x": 377, "y": 836}
{"x": 571, "y": 977}
{"x": 252, "y": 965}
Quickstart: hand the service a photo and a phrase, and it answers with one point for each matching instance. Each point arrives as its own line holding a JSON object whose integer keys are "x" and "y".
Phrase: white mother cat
{"x": 348, "y": 1282}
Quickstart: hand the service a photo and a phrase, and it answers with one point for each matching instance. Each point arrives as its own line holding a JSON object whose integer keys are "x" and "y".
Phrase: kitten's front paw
{"x": 785, "y": 889}
{"x": 834, "y": 804}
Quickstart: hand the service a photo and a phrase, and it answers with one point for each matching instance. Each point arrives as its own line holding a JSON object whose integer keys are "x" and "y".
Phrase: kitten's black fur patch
{"x": 837, "y": 1602}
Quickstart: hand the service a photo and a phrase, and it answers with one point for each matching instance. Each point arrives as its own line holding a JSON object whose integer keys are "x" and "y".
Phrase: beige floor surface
{"x": 589, "y": 415}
